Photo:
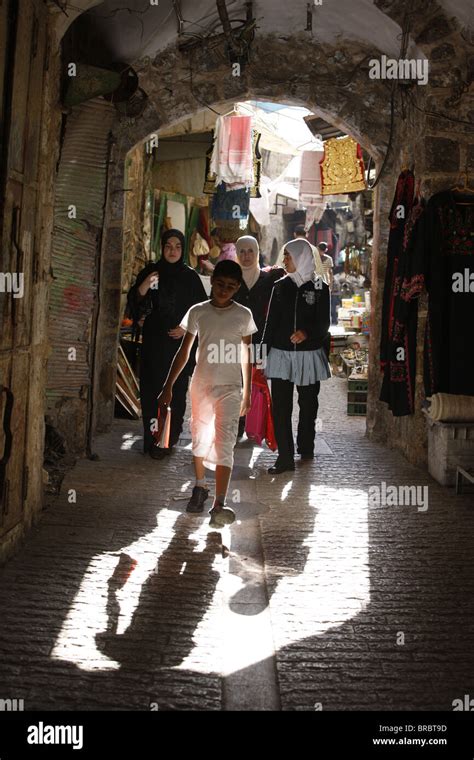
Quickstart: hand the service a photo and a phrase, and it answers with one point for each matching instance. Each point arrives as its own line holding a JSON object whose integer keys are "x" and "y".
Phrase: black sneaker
{"x": 196, "y": 502}
{"x": 156, "y": 452}
{"x": 280, "y": 467}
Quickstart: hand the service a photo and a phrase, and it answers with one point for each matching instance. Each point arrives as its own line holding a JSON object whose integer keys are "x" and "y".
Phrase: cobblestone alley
{"x": 312, "y": 600}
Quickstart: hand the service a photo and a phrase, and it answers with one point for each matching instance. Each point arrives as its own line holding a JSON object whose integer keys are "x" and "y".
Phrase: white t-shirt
{"x": 220, "y": 333}
{"x": 327, "y": 266}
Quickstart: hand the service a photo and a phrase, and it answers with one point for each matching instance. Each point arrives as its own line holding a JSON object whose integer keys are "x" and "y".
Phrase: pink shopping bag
{"x": 256, "y": 421}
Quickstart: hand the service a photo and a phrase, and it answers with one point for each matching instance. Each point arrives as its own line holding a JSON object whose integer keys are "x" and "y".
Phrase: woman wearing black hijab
{"x": 163, "y": 293}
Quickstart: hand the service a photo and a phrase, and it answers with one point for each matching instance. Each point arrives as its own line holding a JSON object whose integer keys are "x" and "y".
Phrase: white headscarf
{"x": 251, "y": 273}
{"x": 302, "y": 254}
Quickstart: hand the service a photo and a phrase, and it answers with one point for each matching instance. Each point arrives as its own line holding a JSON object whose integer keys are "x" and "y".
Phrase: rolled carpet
{"x": 446, "y": 407}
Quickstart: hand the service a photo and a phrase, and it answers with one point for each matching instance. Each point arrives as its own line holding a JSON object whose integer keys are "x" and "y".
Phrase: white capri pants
{"x": 214, "y": 421}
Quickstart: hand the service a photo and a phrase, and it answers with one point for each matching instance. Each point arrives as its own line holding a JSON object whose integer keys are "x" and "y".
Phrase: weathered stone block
{"x": 448, "y": 78}
{"x": 442, "y": 52}
{"x": 470, "y": 156}
{"x": 436, "y": 29}
{"x": 441, "y": 154}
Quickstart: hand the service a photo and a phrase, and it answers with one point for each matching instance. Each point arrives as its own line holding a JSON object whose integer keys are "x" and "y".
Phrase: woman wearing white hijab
{"x": 256, "y": 289}
{"x": 294, "y": 335}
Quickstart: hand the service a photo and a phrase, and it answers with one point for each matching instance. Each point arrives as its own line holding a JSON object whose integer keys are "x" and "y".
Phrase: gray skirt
{"x": 300, "y": 367}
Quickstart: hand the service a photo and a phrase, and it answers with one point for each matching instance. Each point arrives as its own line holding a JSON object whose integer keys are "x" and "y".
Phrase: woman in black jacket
{"x": 163, "y": 293}
{"x": 256, "y": 289}
{"x": 295, "y": 335}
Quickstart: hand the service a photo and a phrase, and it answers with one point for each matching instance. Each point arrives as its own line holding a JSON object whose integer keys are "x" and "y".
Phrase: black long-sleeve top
{"x": 257, "y": 299}
{"x": 291, "y": 309}
{"x": 163, "y": 309}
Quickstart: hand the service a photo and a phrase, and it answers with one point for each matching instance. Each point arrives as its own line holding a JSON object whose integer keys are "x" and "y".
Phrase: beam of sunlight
{"x": 334, "y": 585}
{"x": 128, "y": 440}
{"x": 256, "y": 451}
{"x": 88, "y": 614}
{"x": 328, "y": 591}
{"x": 330, "y": 587}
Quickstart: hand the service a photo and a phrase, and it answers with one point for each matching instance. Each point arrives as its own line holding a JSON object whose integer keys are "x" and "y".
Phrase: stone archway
{"x": 331, "y": 79}
{"x": 156, "y": 118}
{"x": 324, "y": 69}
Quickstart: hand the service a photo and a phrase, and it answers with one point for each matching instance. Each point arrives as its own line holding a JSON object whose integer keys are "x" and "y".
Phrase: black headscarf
{"x": 165, "y": 268}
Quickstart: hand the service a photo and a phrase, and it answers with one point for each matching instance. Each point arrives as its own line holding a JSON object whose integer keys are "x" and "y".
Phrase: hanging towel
{"x": 220, "y": 150}
{"x": 210, "y": 177}
{"x": 310, "y": 177}
{"x": 232, "y": 155}
{"x": 240, "y": 149}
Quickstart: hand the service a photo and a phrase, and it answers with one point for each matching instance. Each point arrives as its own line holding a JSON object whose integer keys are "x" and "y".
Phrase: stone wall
{"x": 439, "y": 150}
{"x": 40, "y": 169}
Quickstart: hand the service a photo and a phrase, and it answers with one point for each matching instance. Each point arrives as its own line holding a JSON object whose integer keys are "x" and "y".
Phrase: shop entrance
{"x": 170, "y": 186}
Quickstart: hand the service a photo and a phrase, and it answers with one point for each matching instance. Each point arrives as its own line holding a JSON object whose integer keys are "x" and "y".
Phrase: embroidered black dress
{"x": 398, "y": 387}
{"x": 445, "y": 240}
{"x": 398, "y": 217}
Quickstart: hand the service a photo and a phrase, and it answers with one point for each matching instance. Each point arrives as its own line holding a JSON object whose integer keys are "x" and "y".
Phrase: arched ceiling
{"x": 127, "y": 30}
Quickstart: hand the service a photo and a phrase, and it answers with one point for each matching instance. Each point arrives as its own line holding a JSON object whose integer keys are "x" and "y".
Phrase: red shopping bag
{"x": 270, "y": 429}
{"x": 260, "y": 417}
{"x": 162, "y": 435}
{"x": 255, "y": 423}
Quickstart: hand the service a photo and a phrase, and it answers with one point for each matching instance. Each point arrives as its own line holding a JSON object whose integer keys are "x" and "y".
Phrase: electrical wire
{"x": 208, "y": 15}
{"x": 371, "y": 185}
{"x": 118, "y": 10}
{"x": 192, "y": 90}
{"x": 61, "y": 8}
{"x": 440, "y": 115}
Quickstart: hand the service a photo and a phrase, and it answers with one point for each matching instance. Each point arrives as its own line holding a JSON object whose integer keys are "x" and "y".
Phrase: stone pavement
{"x": 315, "y": 599}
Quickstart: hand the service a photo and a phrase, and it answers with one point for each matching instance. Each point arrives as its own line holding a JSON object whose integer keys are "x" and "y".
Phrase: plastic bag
{"x": 162, "y": 435}
{"x": 259, "y": 423}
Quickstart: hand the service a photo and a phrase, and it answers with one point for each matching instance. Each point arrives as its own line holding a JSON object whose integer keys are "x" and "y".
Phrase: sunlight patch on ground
{"x": 112, "y": 583}
{"x": 332, "y": 587}
{"x": 128, "y": 440}
{"x": 335, "y": 584}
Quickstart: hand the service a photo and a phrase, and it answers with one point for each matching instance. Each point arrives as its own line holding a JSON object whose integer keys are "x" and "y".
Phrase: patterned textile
{"x": 232, "y": 160}
{"x": 342, "y": 168}
{"x": 210, "y": 178}
{"x": 399, "y": 214}
{"x": 438, "y": 247}
{"x": 400, "y": 316}
{"x": 230, "y": 204}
